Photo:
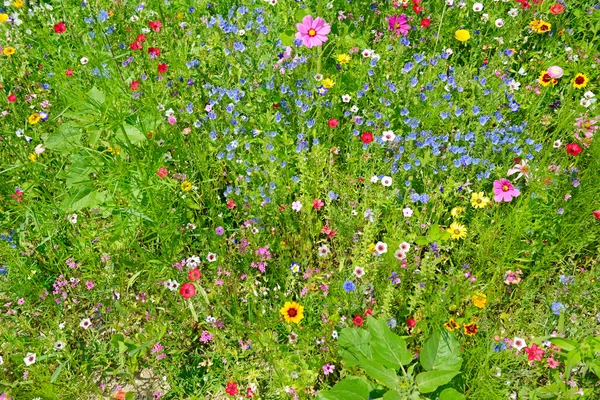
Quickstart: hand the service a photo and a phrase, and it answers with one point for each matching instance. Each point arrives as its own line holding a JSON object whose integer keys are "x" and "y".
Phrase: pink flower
{"x": 312, "y": 32}
{"x": 504, "y": 191}
{"x": 522, "y": 168}
{"x": 318, "y": 204}
{"x": 534, "y": 353}
{"x": 328, "y": 369}
{"x": 398, "y": 24}
{"x": 555, "y": 72}
{"x": 552, "y": 363}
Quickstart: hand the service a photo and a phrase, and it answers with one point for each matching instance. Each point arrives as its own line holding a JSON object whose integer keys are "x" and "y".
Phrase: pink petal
{"x": 303, "y": 28}
{"x": 308, "y": 21}
{"x": 324, "y": 30}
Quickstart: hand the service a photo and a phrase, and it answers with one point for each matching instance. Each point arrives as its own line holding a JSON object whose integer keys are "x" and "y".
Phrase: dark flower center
{"x": 292, "y": 312}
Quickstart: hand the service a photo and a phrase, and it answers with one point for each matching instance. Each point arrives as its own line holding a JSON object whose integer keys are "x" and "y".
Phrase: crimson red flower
{"x": 140, "y": 38}
{"x": 249, "y": 393}
{"x": 425, "y": 22}
{"x": 136, "y": 46}
{"x": 163, "y": 68}
{"x": 69, "y": 72}
{"x": 369, "y": 311}
{"x": 358, "y": 320}
{"x": 596, "y": 214}
{"x": 573, "y": 149}
{"x": 367, "y": 137}
{"x": 194, "y": 274}
{"x": 154, "y": 51}
{"x": 275, "y": 105}
{"x": 155, "y": 25}
{"x": 187, "y": 290}
{"x": 332, "y": 123}
{"x": 232, "y": 388}
{"x": 60, "y": 28}
{"x": 12, "y": 98}
{"x": 411, "y": 323}
{"x": 417, "y": 9}
{"x": 162, "y": 172}
{"x": 230, "y": 204}
{"x": 557, "y": 8}
{"x": 318, "y": 204}
{"x": 134, "y": 85}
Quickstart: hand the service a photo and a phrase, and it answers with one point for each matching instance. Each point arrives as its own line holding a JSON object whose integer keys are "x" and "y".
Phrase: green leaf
{"x": 82, "y": 165}
{"x": 134, "y": 134}
{"x": 136, "y": 350}
{"x": 572, "y": 360}
{"x": 96, "y": 95}
{"x": 354, "y": 343}
{"x": 388, "y": 348}
{"x": 441, "y": 351}
{"x": 116, "y": 338}
{"x": 385, "y": 376}
{"x": 451, "y": 394}
{"x": 130, "y": 396}
{"x": 393, "y": 395}
{"x": 428, "y": 381}
{"x": 64, "y": 140}
{"x": 422, "y": 241}
{"x": 83, "y": 196}
{"x": 56, "y": 373}
{"x": 349, "y": 388}
{"x": 301, "y": 13}
{"x": 595, "y": 368}
{"x": 564, "y": 344}
{"x": 122, "y": 348}
{"x": 548, "y": 392}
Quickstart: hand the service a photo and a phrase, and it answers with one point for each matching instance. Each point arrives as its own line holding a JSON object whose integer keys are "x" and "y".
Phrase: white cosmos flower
{"x": 85, "y": 323}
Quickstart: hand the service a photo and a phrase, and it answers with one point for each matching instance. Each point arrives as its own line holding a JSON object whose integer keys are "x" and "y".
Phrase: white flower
{"x": 192, "y": 262}
{"x": 83, "y": 60}
{"x": 399, "y": 254}
{"x": 318, "y": 77}
{"x": 85, "y": 323}
{"x": 513, "y": 12}
{"x": 407, "y": 212}
{"x": 519, "y": 343}
{"x": 586, "y": 102}
{"x": 354, "y": 109}
{"x": 367, "y": 53}
{"x": 134, "y": 18}
{"x": 72, "y": 218}
{"x": 171, "y": 284}
{"x": 59, "y": 345}
{"x": 514, "y": 85}
{"x": 1, "y": 360}
{"x": 29, "y": 359}
{"x": 477, "y": 7}
{"x": 297, "y": 206}
{"x": 323, "y": 251}
{"x": 461, "y": 5}
{"x": 386, "y": 181}
{"x": 381, "y": 248}
{"x": 374, "y": 179}
{"x": 388, "y": 136}
{"x": 449, "y": 51}
{"x": 499, "y": 23}
{"x": 557, "y": 144}
{"x": 334, "y": 335}
{"x": 346, "y": 98}
{"x": 485, "y": 17}
{"x": 405, "y": 247}
{"x": 359, "y": 272}
{"x": 211, "y": 257}
{"x": 39, "y": 149}
{"x": 241, "y": 32}
{"x": 588, "y": 95}
{"x": 449, "y": 2}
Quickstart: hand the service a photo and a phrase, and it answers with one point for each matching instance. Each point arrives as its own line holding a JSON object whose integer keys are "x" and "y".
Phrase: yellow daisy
{"x": 479, "y": 300}
{"x": 456, "y": 211}
{"x": 3, "y": 17}
{"x": 9, "y": 51}
{"x": 452, "y": 325}
{"x": 34, "y": 118}
{"x": 343, "y": 58}
{"x": 328, "y": 83}
{"x": 292, "y": 312}
{"x": 580, "y": 81}
{"x": 479, "y": 200}
{"x": 457, "y": 231}
{"x": 186, "y": 186}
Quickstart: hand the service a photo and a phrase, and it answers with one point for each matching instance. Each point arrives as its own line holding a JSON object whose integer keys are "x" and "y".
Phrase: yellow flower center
{"x": 505, "y": 188}
{"x": 312, "y": 32}
{"x": 457, "y": 231}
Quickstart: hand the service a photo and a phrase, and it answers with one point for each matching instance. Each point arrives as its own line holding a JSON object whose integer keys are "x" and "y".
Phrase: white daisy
{"x": 85, "y": 323}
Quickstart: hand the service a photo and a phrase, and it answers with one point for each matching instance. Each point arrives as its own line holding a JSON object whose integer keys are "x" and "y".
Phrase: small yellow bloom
{"x": 33, "y": 157}
{"x": 186, "y": 186}
{"x": 462, "y": 34}
{"x": 471, "y": 329}
{"x": 546, "y": 80}
{"x": 34, "y": 118}
{"x": 580, "y": 81}
{"x": 292, "y": 312}
{"x": 328, "y": 83}
{"x": 114, "y": 151}
{"x": 3, "y": 17}
{"x": 479, "y": 300}
{"x": 344, "y": 58}
{"x": 180, "y": 15}
{"x": 372, "y": 248}
{"x": 457, "y": 231}
{"x": 456, "y": 211}
{"x": 479, "y": 200}
{"x": 540, "y": 26}
{"x": 9, "y": 51}
{"x": 451, "y": 325}
{"x": 18, "y": 3}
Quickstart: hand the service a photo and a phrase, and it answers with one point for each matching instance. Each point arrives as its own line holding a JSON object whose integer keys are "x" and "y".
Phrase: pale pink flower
{"x": 504, "y": 191}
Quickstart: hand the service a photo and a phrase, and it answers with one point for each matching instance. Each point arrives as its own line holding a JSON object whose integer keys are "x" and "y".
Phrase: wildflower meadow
{"x": 299, "y": 199}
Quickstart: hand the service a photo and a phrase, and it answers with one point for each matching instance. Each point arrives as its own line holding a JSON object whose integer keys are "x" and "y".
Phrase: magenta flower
{"x": 312, "y": 32}
{"x": 398, "y": 24}
{"x": 504, "y": 191}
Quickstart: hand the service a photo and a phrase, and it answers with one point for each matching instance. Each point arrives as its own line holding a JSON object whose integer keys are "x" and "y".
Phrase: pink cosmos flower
{"x": 504, "y": 191}
{"x": 312, "y": 32}
{"x": 534, "y": 353}
{"x": 398, "y": 24}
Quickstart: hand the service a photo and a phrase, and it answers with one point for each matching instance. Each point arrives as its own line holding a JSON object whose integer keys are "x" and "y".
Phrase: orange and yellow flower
{"x": 470, "y": 329}
{"x": 580, "y": 81}
{"x": 479, "y": 300}
{"x": 452, "y": 325}
{"x": 292, "y": 312}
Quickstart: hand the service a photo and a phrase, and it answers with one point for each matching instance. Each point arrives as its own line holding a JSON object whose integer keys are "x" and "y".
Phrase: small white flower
{"x": 407, "y": 212}
{"x": 514, "y": 85}
{"x": 323, "y": 251}
{"x": 297, "y": 206}
{"x": 318, "y": 77}
{"x": 334, "y": 335}
{"x": 354, "y": 109}
{"x": 499, "y": 23}
{"x": 59, "y": 345}
{"x": 449, "y": 51}
{"x": 1, "y": 360}
{"x": 381, "y": 248}
{"x": 513, "y": 12}
{"x": 171, "y": 284}
{"x": 346, "y": 98}
{"x": 241, "y": 32}
{"x": 359, "y": 272}
{"x": 83, "y": 60}
{"x": 367, "y": 53}
{"x": 29, "y": 359}
{"x": 485, "y": 17}
{"x": 211, "y": 257}
{"x": 386, "y": 181}
{"x": 399, "y": 254}
{"x": 374, "y": 179}
{"x": 388, "y": 136}
{"x": 519, "y": 343}
{"x": 557, "y": 144}
{"x": 134, "y": 18}
{"x": 405, "y": 247}
{"x": 85, "y": 323}
{"x": 477, "y": 7}
{"x": 193, "y": 262}
{"x": 353, "y": 212}
{"x": 586, "y": 102}
{"x": 589, "y": 94}
{"x": 72, "y": 218}
{"x": 449, "y": 2}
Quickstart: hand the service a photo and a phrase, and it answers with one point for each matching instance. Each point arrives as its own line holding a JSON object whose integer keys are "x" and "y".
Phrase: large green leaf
{"x": 451, "y": 394}
{"x": 82, "y": 165}
{"x": 382, "y": 374}
{"x": 83, "y": 196}
{"x": 428, "y": 381}
{"x": 441, "y": 351}
{"x": 64, "y": 140}
{"x": 134, "y": 135}
{"x": 350, "y": 388}
{"x": 564, "y": 344}
{"x": 388, "y": 348}
{"x": 96, "y": 96}
{"x": 354, "y": 343}
{"x": 393, "y": 395}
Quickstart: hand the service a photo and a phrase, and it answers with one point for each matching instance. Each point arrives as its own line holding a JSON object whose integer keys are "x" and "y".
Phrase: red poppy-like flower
{"x": 163, "y": 68}
{"x": 557, "y": 8}
{"x": 69, "y": 72}
{"x": 140, "y": 38}
{"x": 154, "y": 51}
{"x": 232, "y": 388}
{"x": 162, "y": 172}
{"x": 358, "y": 320}
{"x": 187, "y": 290}
{"x": 275, "y": 105}
{"x": 366, "y": 137}
{"x": 425, "y": 22}
{"x": 417, "y": 9}
{"x": 318, "y": 204}
{"x": 194, "y": 274}
{"x": 134, "y": 85}
{"x": 369, "y": 311}
{"x": 60, "y": 28}
{"x": 573, "y": 149}
{"x": 332, "y": 123}
{"x": 596, "y": 214}
{"x": 411, "y": 323}
{"x": 230, "y": 204}
{"x": 155, "y": 25}
{"x": 12, "y": 98}
{"x": 136, "y": 46}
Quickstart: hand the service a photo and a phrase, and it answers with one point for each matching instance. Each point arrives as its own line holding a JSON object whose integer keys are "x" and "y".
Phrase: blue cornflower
{"x": 392, "y": 323}
{"x": 349, "y": 286}
{"x": 557, "y": 307}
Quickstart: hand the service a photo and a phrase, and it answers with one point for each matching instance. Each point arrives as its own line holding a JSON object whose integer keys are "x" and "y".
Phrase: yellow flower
{"x": 479, "y": 200}
{"x": 33, "y": 157}
{"x": 328, "y": 83}
{"x": 457, "y": 231}
{"x": 9, "y": 51}
{"x": 451, "y": 325}
{"x": 34, "y": 118}
{"x": 470, "y": 329}
{"x": 479, "y": 300}
{"x": 462, "y": 34}
{"x": 3, "y": 17}
{"x": 292, "y": 312}
{"x": 580, "y": 81}
{"x": 114, "y": 151}
{"x": 180, "y": 15}
{"x": 18, "y": 3}
{"x": 186, "y": 186}
{"x": 540, "y": 26}
{"x": 456, "y": 211}
{"x": 546, "y": 80}
{"x": 344, "y": 58}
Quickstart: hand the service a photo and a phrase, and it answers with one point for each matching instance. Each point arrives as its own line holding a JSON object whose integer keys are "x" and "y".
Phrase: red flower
{"x": 596, "y": 214}
{"x": 249, "y": 393}
{"x": 155, "y": 25}
{"x": 369, "y": 311}
{"x": 12, "y": 98}
{"x": 318, "y": 204}
{"x": 557, "y": 9}
{"x": 230, "y": 204}
{"x": 534, "y": 353}
{"x": 60, "y": 28}
{"x": 573, "y": 149}
{"x": 163, "y": 68}
{"x": 358, "y": 320}
{"x": 187, "y": 290}
{"x": 232, "y": 388}
{"x": 367, "y": 137}
{"x": 275, "y": 105}
{"x": 162, "y": 172}
{"x": 417, "y": 9}
{"x": 140, "y": 38}
{"x": 332, "y": 123}
{"x": 411, "y": 323}
{"x": 69, "y": 72}
{"x": 136, "y": 46}
{"x": 154, "y": 51}
{"x": 134, "y": 85}
{"x": 194, "y": 274}
{"x": 425, "y": 22}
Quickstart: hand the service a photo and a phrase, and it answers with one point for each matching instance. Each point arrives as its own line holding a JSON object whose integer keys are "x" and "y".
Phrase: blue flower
{"x": 349, "y": 286}
{"x": 557, "y": 308}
